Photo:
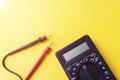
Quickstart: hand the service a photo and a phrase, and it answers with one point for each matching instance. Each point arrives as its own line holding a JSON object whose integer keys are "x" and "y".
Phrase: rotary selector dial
{"x": 92, "y": 68}
{"x": 90, "y": 71}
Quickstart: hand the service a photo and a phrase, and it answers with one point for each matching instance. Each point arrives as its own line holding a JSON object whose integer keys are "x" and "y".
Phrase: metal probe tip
{"x": 49, "y": 35}
{"x": 51, "y": 44}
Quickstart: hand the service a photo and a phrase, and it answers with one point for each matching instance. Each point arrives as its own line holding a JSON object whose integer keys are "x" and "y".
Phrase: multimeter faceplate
{"x": 82, "y": 61}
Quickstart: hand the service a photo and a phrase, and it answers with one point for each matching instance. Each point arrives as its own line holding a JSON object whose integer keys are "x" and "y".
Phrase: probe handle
{"x": 41, "y": 39}
{"x": 47, "y": 50}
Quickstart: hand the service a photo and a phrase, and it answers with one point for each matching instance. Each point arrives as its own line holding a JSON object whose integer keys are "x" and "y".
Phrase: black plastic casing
{"x": 74, "y": 44}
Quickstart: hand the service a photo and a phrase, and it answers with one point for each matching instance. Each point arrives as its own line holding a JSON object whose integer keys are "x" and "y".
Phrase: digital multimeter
{"x": 82, "y": 61}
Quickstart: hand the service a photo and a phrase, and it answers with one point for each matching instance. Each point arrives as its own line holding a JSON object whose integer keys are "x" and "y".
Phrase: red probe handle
{"x": 47, "y": 50}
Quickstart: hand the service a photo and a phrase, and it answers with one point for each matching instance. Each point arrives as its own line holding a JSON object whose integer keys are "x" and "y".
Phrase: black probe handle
{"x": 41, "y": 39}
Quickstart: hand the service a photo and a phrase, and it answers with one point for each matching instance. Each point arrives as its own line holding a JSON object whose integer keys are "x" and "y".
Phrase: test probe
{"x": 39, "y": 61}
{"x": 40, "y": 39}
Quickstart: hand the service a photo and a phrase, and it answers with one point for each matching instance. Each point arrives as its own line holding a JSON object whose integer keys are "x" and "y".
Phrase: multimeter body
{"x": 82, "y": 61}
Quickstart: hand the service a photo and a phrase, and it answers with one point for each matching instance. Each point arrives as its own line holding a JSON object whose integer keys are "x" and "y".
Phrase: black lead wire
{"x": 3, "y": 63}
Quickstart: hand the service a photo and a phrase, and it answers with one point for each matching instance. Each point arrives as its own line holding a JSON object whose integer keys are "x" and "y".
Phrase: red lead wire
{"x": 47, "y": 50}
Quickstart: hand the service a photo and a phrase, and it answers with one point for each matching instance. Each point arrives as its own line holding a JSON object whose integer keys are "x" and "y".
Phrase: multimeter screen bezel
{"x": 86, "y": 39}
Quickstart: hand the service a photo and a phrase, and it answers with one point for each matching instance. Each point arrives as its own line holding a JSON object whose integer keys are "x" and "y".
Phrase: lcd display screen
{"x": 76, "y": 51}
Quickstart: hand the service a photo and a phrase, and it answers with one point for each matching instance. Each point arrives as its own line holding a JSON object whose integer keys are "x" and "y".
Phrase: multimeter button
{"x": 73, "y": 73}
{"x": 68, "y": 68}
{"x": 74, "y": 69}
{"x": 106, "y": 72}
{"x": 103, "y": 68}
{"x": 73, "y": 78}
{"x": 86, "y": 59}
{"x": 100, "y": 63}
{"x": 91, "y": 60}
{"x": 96, "y": 59}
{"x": 93, "y": 55}
{"x": 107, "y": 78}
{"x": 77, "y": 64}
{"x": 81, "y": 62}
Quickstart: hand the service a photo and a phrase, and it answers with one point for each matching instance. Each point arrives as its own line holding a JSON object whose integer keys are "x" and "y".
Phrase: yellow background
{"x": 22, "y": 21}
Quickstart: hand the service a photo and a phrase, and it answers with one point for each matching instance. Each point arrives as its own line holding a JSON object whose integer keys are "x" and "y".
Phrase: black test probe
{"x": 41, "y": 39}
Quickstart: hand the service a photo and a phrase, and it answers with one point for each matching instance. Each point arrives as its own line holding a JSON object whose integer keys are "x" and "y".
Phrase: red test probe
{"x": 39, "y": 61}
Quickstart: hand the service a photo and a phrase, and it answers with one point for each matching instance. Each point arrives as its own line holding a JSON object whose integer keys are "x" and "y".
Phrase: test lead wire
{"x": 41, "y": 39}
{"x": 3, "y": 63}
